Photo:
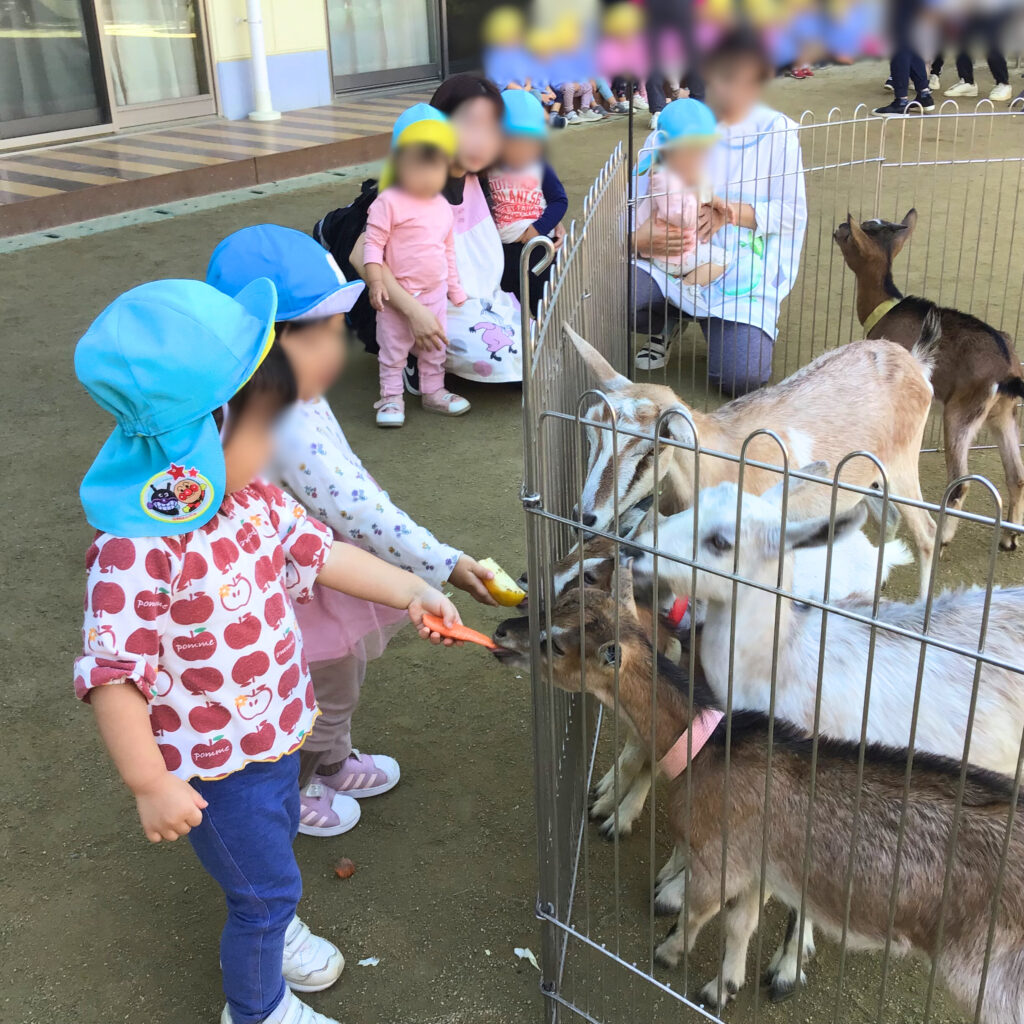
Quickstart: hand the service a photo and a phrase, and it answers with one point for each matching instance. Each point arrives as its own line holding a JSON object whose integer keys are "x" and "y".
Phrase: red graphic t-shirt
{"x": 203, "y": 625}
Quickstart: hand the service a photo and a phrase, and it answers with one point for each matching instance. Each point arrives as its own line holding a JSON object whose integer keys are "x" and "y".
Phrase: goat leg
{"x": 740, "y": 920}
{"x": 1003, "y": 422}
{"x": 621, "y": 821}
{"x": 781, "y": 974}
{"x": 960, "y": 426}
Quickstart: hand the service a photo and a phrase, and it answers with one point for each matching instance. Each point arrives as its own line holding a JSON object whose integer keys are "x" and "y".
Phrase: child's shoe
{"x": 887, "y": 84}
{"x": 390, "y": 411}
{"x": 962, "y": 88}
{"x": 557, "y": 121}
{"x": 591, "y": 114}
{"x": 639, "y": 103}
{"x": 573, "y": 117}
{"x": 445, "y": 403}
{"x": 291, "y": 1010}
{"x": 653, "y": 124}
{"x": 934, "y": 82}
{"x": 324, "y": 812}
{"x": 411, "y": 376}
{"x": 311, "y": 963}
{"x": 1001, "y": 93}
{"x": 364, "y": 775}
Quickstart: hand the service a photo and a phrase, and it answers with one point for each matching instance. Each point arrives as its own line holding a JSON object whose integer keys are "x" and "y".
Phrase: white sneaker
{"x": 934, "y": 82}
{"x": 962, "y": 88}
{"x": 639, "y": 103}
{"x": 573, "y": 117}
{"x": 390, "y": 411}
{"x": 324, "y": 812}
{"x": 311, "y": 963}
{"x": 291, "y": 1010}
{"x": 653, "y": 356}
{"x": 1001, "y": 93}
{"x": 654, "y": 121}
{"x": 591, "y": 114}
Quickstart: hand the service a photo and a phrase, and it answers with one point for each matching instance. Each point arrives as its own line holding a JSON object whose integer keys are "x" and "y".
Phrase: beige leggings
{"x": 336, "y": 685}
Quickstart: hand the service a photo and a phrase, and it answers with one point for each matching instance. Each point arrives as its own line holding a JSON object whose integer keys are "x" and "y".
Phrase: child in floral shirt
{"x": 193, "y": 663}
{"x": 314, "y": 460}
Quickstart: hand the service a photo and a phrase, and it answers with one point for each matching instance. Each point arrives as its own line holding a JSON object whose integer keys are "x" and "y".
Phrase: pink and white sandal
{"x": 363, "y": 775}
{"x": 446, "y": 403}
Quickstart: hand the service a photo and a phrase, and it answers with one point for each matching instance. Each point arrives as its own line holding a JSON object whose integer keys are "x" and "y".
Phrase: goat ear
{"x": 796, "y": 487}
{"x": 600, "y": 369}
{"x": 860, "y": 239}
{"x": 609, "y": 653}
{"x": 624, "y": 585}
{"x": 813, "y": 533}
{"x": 910, "y": 221}
{"x": 678, "y": 425}
{"x": 904, "y": 231}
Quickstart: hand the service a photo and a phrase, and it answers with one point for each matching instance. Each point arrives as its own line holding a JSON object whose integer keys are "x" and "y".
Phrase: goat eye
{"x": 589, "y": 577}
{"x": 719, "y": 542}
{"x": 555, "y": 646}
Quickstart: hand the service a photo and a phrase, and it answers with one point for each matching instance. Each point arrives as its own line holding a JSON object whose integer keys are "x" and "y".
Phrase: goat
{"x": 977, "y": 376}
{"x": 853, "y": 821}
{"x": 869, "y": 396}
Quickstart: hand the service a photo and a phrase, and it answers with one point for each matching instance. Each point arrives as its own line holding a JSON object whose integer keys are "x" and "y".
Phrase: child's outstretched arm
{"x": 168, "y": 806}
{"x": 353, "y": 571}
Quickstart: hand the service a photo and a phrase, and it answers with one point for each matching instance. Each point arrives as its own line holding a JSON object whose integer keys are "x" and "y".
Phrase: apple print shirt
{"x": 203, "y": 625}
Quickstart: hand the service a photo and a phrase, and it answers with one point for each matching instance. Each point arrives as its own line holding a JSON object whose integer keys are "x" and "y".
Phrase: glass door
{"x": 383, "y": 42}
{"x": 157, "y": 60}
{"x": 51, "y": 77}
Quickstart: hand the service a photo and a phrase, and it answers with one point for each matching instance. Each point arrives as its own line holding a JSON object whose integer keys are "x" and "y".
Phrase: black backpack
{"x": 337, "y": 232}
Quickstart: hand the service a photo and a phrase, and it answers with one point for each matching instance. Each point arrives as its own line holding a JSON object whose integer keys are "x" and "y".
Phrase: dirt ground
{"x": 97, "y": 926}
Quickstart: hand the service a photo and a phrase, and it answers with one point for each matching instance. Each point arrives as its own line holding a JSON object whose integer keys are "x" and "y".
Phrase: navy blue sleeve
{"x": 555, "y": 197}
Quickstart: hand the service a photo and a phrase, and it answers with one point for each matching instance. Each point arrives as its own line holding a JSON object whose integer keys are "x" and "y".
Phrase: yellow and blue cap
{"x": 161, "y": 359}
{"x": 421, "y": 124}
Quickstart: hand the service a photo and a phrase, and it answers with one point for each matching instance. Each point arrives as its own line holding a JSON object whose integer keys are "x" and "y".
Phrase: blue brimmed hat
{"x": 684, "y": 122}
{"x": 421, "y": 124}
{"x": 309, "y": 282}
{"x": 161, "y": 358}
{"x": 524, "y": 114}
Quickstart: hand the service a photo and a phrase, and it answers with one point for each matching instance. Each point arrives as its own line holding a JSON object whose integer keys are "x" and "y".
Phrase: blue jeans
{"x": 245, "y": 843}
{"x": 739, "y": 355}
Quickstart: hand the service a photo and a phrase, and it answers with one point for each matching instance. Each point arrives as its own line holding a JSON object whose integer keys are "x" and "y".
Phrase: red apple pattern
{"x": 202, "y": 624}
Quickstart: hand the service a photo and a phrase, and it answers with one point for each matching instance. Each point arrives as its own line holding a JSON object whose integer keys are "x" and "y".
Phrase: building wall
{"x": 297, "y": 60}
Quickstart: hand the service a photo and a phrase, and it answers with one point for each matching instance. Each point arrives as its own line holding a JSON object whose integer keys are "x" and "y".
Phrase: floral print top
{"x": 319, "y": 467}
{"x": 203, "y": 625}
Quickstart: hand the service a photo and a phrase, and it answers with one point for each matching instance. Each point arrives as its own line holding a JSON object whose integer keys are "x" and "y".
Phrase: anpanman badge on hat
{"x": 177, "y": 494}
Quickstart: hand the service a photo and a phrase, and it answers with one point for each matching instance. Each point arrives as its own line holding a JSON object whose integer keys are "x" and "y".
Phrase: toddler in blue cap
{"x": 315, "y": 461}
{"x": 527, "y": 196}
{"x": 193, "y": 661}
{"x": 686, "y": 132}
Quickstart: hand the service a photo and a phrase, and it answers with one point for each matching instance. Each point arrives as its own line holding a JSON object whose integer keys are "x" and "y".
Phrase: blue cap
{"x": 687, "y": 122}
{"x": 309, "y": 282}
{"x": 161, "y": 358}
{"x": 524, "y": 114}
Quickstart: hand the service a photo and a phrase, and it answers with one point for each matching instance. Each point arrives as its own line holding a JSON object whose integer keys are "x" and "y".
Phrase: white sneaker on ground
{"x": 962, "y": 88}
{"x": 639, "y": 103}
{"x": 291, "y": 1010}
{"x": 591, "y": 114}
{"x": 390, "y": 411}
{"x": 653, "y": 356}
{"x": 934, "y": 82}
{"x": 311, "y": 963}
{"x": 573, "y": 117}
{"x": 653, "y": 125}
{"x": 324, "y": 812}
{"x": 1001, "y": 93}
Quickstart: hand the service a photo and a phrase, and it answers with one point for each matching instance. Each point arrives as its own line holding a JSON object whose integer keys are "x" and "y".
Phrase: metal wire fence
{"x": 834, "y": 828}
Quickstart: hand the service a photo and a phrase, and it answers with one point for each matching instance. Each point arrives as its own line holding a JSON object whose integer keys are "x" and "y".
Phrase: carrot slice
{"x": 458, "y": 632}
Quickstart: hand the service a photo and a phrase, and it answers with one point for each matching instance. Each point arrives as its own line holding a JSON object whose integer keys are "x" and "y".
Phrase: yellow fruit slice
{"x": 502, "y": 588}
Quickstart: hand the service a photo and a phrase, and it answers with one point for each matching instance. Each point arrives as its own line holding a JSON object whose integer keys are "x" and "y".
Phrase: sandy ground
{"x": 96, "y": 926}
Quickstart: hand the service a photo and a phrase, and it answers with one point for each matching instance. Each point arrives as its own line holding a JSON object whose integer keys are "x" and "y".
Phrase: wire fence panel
{"x": 701, "y": 580}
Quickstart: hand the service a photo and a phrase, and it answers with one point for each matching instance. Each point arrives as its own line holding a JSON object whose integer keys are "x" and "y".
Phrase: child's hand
{"x": 468, "y": 575}
{"x": 378, "y": 295}
{"x": 168, "y": 808}
{"x": 457, "y": 298}
{"x": 433, "y": 601}
{"x": 530, "y": 232}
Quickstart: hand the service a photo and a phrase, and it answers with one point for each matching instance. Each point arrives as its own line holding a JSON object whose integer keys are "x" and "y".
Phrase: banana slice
{"x": 502, "y": 588}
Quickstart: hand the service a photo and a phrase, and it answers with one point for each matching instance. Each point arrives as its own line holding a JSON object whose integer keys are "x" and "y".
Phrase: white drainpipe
{"x": 263, "y": 107}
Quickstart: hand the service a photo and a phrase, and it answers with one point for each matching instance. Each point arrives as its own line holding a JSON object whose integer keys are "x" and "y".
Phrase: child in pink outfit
{"x": 409, "y": 231}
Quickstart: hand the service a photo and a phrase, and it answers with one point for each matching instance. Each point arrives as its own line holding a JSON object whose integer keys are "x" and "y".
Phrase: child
{"x": 409, "y": 228}
{"x": 316, "y": 463}
{"x": 678, "y": 187}
{"x": 193, "y": 662}
{"x": 527, "y": 198}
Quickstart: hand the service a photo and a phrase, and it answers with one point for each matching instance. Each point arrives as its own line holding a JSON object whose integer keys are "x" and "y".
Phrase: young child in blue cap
{"x": 192, "y": 660}
{"x": 314, "y": 460}
{"x": 527, "y": 196}
{"x": 410, "y": 229}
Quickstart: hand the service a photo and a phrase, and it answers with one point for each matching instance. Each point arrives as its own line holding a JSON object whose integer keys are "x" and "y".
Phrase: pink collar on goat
{"x": 676, "y": 761}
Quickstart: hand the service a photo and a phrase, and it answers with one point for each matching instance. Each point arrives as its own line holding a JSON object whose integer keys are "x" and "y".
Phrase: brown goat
{"x": 852, "y": 824}
{"x": 977, "y": 377}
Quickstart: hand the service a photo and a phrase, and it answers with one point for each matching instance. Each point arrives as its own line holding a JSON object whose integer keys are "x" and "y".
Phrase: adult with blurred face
{"x": 755, "y": 208}
{"x": 483, "y": 334}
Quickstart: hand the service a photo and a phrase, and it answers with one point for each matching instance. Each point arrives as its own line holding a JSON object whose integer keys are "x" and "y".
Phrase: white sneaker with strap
{"x": 390, "y": 411}
{"x": 445, "y": 403}
{"x": 311, "y": 963}
{"x": 291, "y": 1010}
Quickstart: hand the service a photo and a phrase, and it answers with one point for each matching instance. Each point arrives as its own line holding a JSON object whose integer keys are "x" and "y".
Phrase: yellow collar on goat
{"x": 878, "y": 312}
{"x": 689, "y": 745}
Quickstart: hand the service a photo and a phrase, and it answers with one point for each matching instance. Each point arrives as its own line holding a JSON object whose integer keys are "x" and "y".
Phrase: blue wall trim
{"x": 296, "y": 80}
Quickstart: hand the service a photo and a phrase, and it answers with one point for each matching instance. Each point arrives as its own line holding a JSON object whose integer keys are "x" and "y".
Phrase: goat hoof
{"x": 708, "y": 995}
{"x": 781, "y": 989}
{"x": 609, "y": 830}
{"x": 665, "y": 908}
{"x": 665, "y": 959}
{"x": 1008, "y": 543}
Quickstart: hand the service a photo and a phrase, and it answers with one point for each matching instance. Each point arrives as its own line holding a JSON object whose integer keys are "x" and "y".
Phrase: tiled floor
{"x": 59, "y": 170}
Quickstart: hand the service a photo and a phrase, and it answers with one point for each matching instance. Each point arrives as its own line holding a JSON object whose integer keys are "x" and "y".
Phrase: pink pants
{"x": 570, "y": 90}
{"x": 394, "y": 336}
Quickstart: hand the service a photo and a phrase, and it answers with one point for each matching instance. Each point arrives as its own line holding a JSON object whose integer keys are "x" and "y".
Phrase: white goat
{"x": 871, "y": 396}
